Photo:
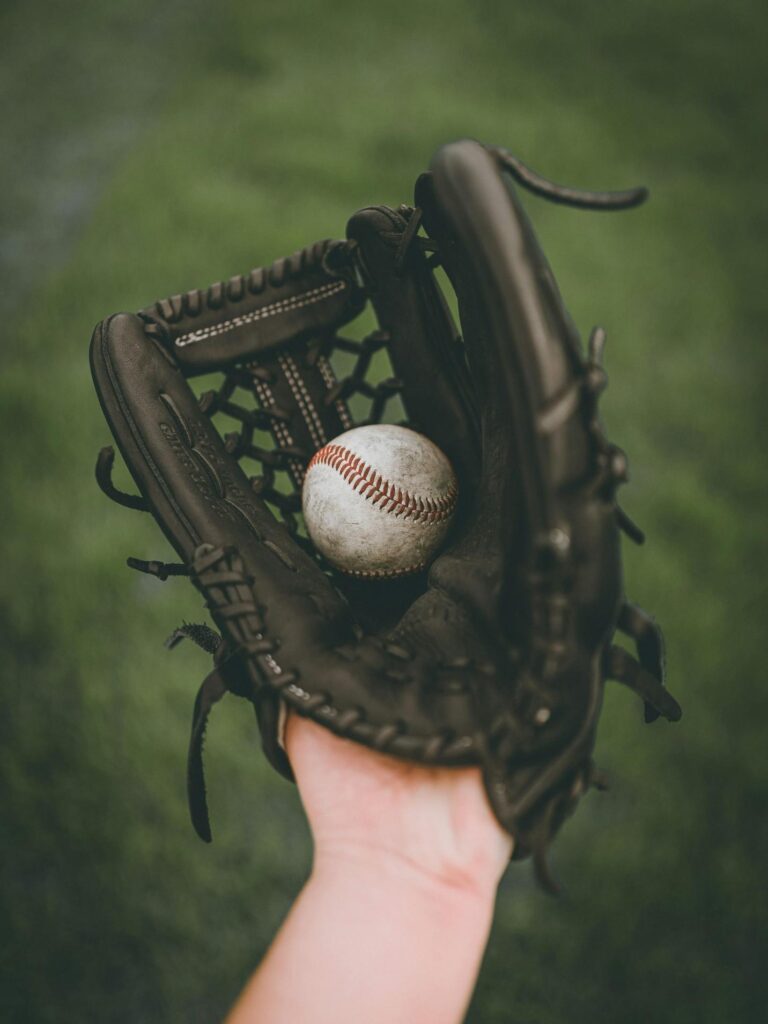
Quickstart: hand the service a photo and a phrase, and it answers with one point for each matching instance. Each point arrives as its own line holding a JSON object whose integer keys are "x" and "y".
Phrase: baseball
{"x": 378, "y": 501}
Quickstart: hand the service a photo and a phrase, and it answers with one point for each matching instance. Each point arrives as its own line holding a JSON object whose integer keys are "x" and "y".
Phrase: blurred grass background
{"x": 150, "y": 147}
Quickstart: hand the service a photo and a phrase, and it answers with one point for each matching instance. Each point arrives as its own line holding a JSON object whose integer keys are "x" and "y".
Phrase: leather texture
{"x": 499, "y": 653}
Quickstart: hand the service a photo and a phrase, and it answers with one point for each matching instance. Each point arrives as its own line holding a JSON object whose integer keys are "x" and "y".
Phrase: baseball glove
{"x": 496, "y": 655}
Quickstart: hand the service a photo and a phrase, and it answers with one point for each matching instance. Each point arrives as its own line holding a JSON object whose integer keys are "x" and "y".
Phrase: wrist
{"x": 416, "y": 934}
{"x": 407, "y": 876}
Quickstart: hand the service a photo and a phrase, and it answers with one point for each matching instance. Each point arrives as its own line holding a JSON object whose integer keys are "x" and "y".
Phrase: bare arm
{"x": 393, "y": 921}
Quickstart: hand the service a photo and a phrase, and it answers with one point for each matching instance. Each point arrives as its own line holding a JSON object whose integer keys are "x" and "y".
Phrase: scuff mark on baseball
{"x": 378, "y": 501}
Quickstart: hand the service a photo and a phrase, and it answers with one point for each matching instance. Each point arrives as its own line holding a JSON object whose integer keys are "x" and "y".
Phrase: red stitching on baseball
{"x": 366, "y": 481}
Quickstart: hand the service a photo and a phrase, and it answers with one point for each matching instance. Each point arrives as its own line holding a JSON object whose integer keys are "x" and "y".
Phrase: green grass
{"x": 155, "y": 147}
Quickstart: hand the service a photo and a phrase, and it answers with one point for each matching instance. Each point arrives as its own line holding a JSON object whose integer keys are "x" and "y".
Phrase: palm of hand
{"x": 364, "y": 805}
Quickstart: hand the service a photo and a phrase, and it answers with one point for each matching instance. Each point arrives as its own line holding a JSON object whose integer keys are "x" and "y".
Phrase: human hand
{"x": 408, "y": 818}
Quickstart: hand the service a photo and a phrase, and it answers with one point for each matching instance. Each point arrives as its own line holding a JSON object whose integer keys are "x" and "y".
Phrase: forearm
{"x": 374, "y": 941}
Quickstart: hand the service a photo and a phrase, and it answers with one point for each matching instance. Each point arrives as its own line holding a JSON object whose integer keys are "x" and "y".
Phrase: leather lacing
{"x": 323, "y": 254}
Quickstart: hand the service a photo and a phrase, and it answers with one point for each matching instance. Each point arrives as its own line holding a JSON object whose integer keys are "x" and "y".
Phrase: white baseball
{"x": 378, "y": 501}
